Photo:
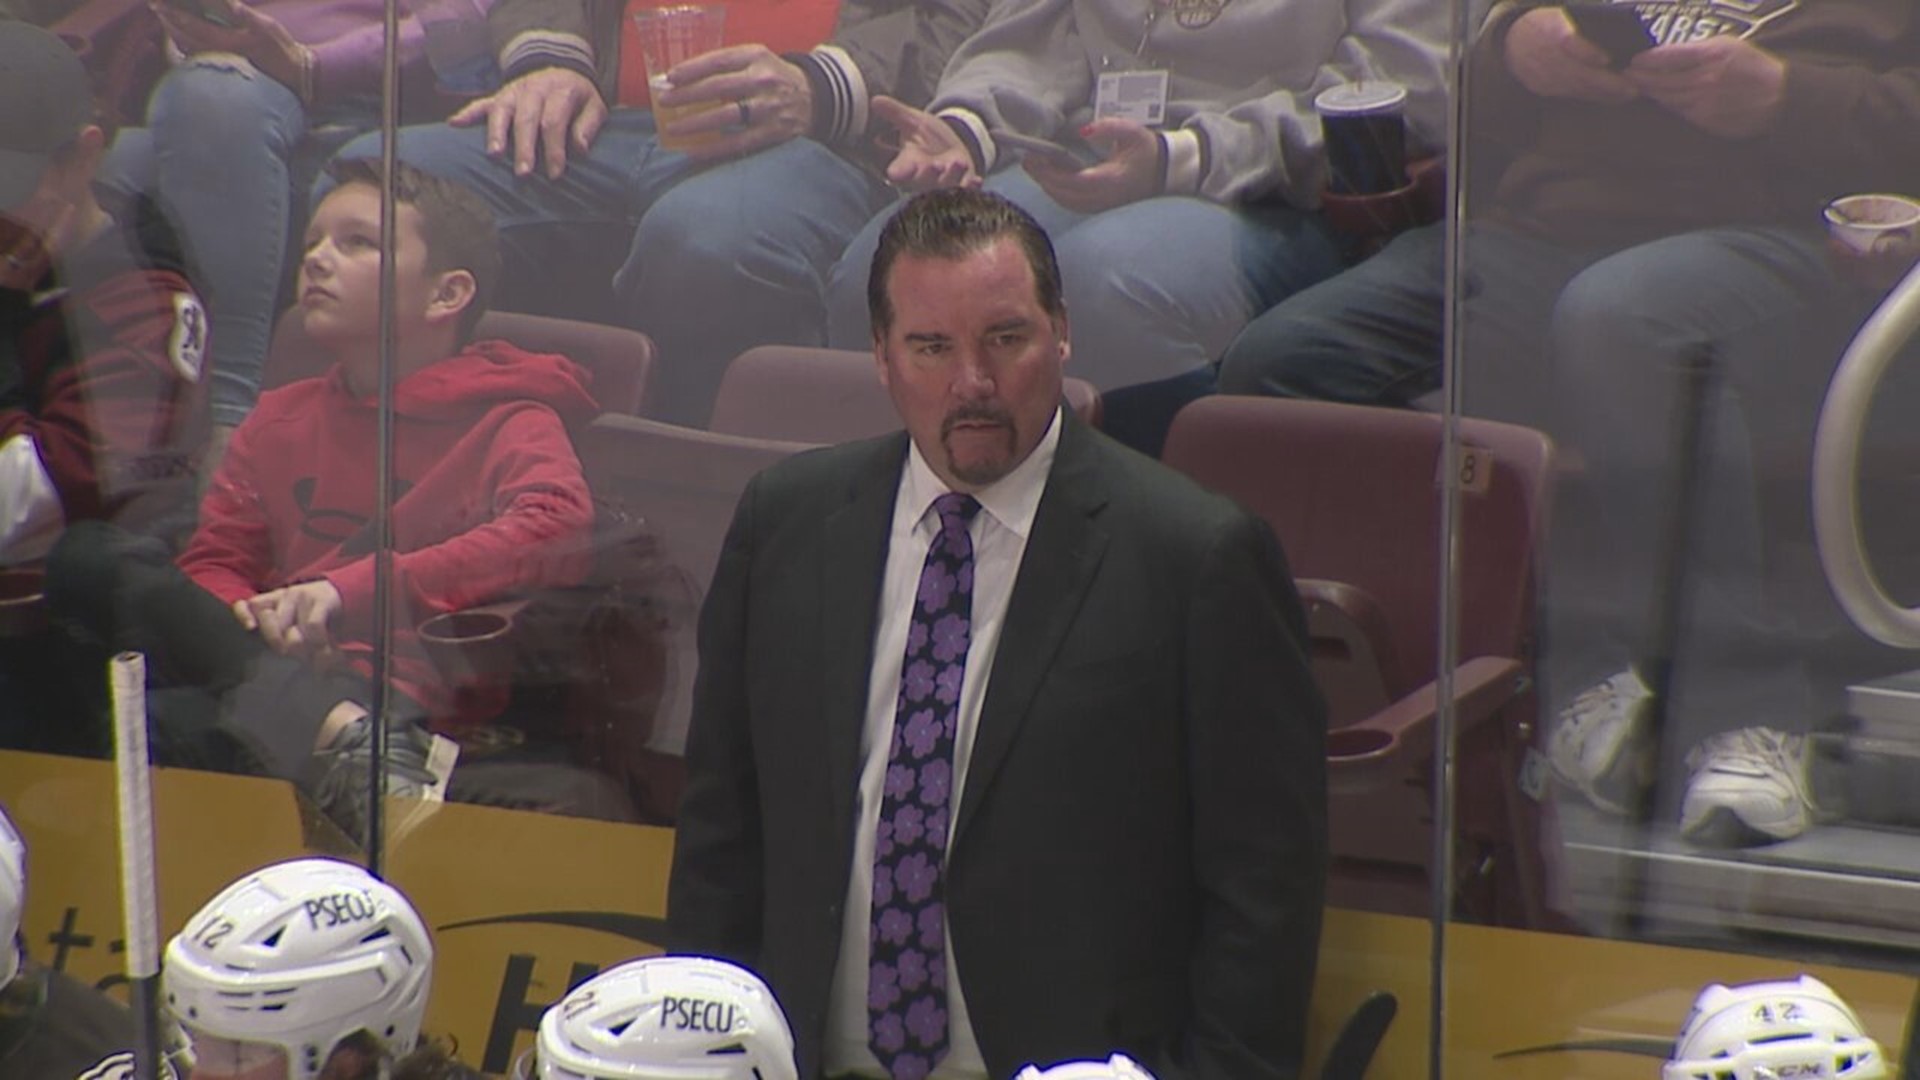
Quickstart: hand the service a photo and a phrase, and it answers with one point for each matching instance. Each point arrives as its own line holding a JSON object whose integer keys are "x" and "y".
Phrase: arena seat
{"x": 585, "y": 665}
{"x": 621, "y": 360}
{"x": 684, "y": 483}
{"x": 1354, "y": 494}
{"x": 824, "y": 396}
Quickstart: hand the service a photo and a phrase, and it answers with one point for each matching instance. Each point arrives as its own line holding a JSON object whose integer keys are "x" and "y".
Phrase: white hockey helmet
{"x": 1117, "y": 1067}
{"x": 13, "y": 896}
{"x": 298, "y": 956}
{"x": 1773, "y": 1031}
{"x": 667, "y": 1018}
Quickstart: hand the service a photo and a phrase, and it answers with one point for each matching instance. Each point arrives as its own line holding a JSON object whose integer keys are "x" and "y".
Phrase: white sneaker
{"x": 1748, "y": 787}
{"x": 1592, "y": 745}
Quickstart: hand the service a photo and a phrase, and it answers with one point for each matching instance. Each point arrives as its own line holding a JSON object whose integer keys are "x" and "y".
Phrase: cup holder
{"x": 464, "y": 627}
{"x": 469, "y": 647}
{"x": 1356, "y": 743}
{"x": 23, "y": 603}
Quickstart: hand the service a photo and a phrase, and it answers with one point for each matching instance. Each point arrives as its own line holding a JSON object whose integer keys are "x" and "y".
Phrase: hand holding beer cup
{"x": 669, "y": 36}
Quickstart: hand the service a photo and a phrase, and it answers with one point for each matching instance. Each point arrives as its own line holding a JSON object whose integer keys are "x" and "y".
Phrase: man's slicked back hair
{"x": 456, "y": 223}
{"x": 952, "y": 224}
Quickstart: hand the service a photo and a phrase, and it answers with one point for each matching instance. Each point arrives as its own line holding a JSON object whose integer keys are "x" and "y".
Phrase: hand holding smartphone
{"x": 218, "y": 12}
{"x": 1067, "y": 156}
{"x": 1615, "y": 28}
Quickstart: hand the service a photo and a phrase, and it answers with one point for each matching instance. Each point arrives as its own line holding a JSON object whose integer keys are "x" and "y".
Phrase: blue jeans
{"x": 227, "y": 152}
{"x": 1155, "y": 289}
{"x": 1588, "y": 346}
{"x": 708, "y": 262}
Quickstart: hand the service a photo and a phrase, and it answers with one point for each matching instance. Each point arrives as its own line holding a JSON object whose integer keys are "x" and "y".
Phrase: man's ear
{"x": 1065, "y": 332}
{"x": 453, "y": 291}
{"x": 880, "y": 360}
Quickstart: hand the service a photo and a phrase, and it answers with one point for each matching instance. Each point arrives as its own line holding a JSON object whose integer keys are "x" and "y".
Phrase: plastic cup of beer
{"x": 669, "y": 35}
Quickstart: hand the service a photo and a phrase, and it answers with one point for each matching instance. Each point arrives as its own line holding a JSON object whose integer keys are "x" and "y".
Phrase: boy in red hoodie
{"x": 488, "y": 501}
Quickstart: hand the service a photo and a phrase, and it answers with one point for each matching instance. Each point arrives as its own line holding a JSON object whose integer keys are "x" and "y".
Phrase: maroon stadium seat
{"x": 621, "y": 360}
{"x": 1354, "y": 495}
{"x": 824, "y": 396}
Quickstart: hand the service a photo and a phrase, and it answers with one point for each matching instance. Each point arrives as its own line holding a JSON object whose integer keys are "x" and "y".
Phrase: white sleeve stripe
{"x": 1183, "y": 162}
{"x": 975, "y": 124}
{"x": 31, "y": 517}
{"x": 113, "y": 1067}
{"x": 849, "y": 105}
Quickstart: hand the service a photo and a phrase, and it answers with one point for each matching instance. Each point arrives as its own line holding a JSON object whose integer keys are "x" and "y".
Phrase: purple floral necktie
{"x": 907, "y": 955}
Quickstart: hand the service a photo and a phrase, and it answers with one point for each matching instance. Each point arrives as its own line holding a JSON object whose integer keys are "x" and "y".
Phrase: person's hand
{"x": 930, "y": 154}
{"x": 761, "y": 100}
{"x": 1134, "y": 168}
{"x": 1549, "y": 57}
{"x": 29, "y": 235}
{"x": 294, "y": 620}
{"x": 1876, "y": 270}
{"x": 541, "y": 115}
{"x": 259, "y": 37}
{"x": 1724, "y": 85}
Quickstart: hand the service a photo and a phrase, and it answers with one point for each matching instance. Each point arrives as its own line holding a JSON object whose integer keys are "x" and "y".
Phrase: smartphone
{"x": 1614, "y": 27}
{"x": 1074, "y": 155}
{"x": 217, "y": 12}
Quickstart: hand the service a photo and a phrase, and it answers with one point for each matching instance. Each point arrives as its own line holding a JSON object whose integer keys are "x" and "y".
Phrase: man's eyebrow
{"x": 1017, "y": 322}
{"x": 920, "y": 337}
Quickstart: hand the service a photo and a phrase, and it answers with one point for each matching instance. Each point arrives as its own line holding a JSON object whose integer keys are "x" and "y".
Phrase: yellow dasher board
{"x": 524, "y": 905}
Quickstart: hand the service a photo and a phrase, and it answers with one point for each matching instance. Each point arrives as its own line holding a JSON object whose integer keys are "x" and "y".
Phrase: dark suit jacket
{"x": 1139, "y": 855}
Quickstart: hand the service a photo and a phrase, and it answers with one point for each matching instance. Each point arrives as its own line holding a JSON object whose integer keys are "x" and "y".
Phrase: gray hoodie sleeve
{"x": 1026, "y": 71}
{"x": 1401, "y": 41}
{"x": 1240, "y": 119}
{"x": 532, "y": 34}
{"x": 892, "y": 47}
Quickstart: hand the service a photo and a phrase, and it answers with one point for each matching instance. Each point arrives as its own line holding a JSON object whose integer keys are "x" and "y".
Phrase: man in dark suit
{"x": 1004, "y": 746}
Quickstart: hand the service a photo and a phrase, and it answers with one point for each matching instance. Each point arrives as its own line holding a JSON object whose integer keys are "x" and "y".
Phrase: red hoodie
{"x": 489, "y": 500}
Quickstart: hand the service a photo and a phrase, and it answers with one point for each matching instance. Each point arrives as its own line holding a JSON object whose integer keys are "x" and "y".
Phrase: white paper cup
{"x": 1875, "y": 224}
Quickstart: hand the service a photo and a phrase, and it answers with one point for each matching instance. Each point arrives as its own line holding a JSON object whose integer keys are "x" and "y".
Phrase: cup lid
{"x": 1349, "y": 99}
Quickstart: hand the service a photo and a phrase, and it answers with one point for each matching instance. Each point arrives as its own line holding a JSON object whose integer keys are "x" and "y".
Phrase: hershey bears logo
{"x": 1672, "y": 22}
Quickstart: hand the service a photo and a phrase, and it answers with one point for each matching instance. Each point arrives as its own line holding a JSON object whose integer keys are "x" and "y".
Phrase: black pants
{"x": 218, "y": 698}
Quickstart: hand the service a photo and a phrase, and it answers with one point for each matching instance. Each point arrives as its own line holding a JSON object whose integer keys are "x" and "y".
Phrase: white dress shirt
{"x": 999, "y": 535}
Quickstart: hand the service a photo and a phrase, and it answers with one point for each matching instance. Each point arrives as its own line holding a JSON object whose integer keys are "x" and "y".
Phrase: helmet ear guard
{"x": 1796, "y": 1028}
{"x": 666, "y": 1018}
{"x": 302, "y": 955}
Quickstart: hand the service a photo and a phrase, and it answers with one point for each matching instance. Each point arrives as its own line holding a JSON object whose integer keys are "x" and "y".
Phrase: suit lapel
{"x": 1062, "y": 553}
{"x": 853, "y": 563}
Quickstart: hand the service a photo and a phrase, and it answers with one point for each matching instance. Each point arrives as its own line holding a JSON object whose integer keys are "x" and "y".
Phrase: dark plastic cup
{"x": 1366, "y": 137}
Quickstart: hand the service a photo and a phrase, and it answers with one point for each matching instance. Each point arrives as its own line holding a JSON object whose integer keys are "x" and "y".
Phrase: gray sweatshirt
{"x": 1239, "y": 123}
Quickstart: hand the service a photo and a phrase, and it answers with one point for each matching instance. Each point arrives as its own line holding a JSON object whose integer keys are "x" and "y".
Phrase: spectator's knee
{"x": 688, "y": 239}
{"x": 1262, "y": 360}
{"x": 1298, "y": 354}
{"x": 211, "y": 102}
{"x": 1612, "y": 307}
